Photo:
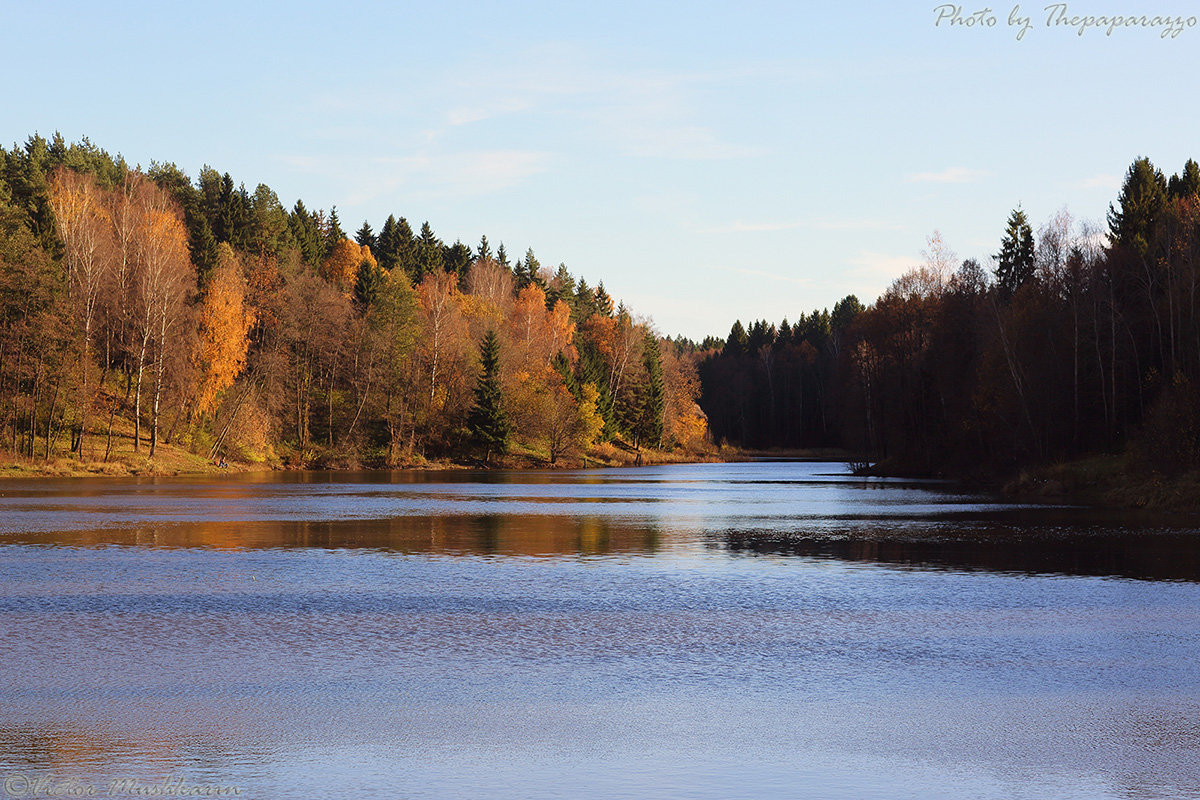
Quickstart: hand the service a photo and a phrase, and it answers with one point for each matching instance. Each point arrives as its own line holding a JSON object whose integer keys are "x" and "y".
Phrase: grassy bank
{"x": 1108, "y": 481}
{"x": 173, "y": 460}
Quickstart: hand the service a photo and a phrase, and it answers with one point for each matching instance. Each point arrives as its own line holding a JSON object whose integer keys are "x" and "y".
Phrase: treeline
{"x": 778, "y": 386}
{"x": 143, "y": 305}
{"x": 1069, "y": 342}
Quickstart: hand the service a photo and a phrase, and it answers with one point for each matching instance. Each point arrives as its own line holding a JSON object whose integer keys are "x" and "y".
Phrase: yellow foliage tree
{"x": 225, "y": 323}
{"x": 684, "y": 422}
{"x": 82, "y": 221}
{"x": 590, "y": 420}
{"x": 341, "y": 267}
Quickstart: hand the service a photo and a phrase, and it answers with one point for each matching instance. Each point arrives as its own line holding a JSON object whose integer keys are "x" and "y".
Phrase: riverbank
{"x": 1104, "y": 481}
{"x": 1108, "y": 481}
{"x": 172, "y": 461}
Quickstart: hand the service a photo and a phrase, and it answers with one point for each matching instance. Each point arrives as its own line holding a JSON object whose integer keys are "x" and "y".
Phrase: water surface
{"x": 707, "y": 631}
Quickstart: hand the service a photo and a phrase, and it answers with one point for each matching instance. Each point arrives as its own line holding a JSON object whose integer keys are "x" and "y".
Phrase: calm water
{"x": 701, "y": 631}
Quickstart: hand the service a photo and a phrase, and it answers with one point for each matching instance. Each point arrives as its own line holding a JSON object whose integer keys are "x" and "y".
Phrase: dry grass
{"x": 122, "y": 459}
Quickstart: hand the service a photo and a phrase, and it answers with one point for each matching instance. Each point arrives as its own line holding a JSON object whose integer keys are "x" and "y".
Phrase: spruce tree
{"x": 561, "y": 287}
{"x": 652, "y": 400}
{"x": 1015, "y": 262}
{"x": 487, "y": 423}
{"x": 457, "y": 259}
{"x": 604, "y": 303}
{"x": 404, "y": 248}
{"x": 306, "y": 233}
{"x": 366, "y": 237}
{"x": 386, "y": 254}
{"x": 1142, "y": 200}
{"x": 738, "y": 342}
{"x": 367, "y": 284}
{"x": 428, "y": 255}
{"x": 529, "y": 271}
{"x": 333, "y": 233}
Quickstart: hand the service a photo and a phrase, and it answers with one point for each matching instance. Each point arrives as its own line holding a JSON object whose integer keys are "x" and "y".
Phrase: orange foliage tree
{"x": 341, "y": 266}
{"x": 225, "y": 323}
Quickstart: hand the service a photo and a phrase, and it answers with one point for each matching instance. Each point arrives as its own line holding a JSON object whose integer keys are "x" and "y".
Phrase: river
{"x": 762, "y": 630}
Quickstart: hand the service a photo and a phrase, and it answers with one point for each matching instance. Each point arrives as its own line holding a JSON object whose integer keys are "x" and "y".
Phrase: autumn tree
{"x": 489, "y": 281}
{"x": 83, "y": 225}
{"x": 33, "y": 335}
{"x": 166, "y": 278}
{"x": 441, "y": 353}
{"x": 340, "y": 267}
{"x": 224, "y": 326}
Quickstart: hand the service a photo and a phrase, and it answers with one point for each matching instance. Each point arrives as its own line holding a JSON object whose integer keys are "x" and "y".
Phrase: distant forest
{"x": 145, "y": 306}
{"x": 1070, "y": 342}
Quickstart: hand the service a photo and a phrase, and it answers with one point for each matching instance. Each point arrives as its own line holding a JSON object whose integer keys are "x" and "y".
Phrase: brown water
{"x": 707, "y": 631}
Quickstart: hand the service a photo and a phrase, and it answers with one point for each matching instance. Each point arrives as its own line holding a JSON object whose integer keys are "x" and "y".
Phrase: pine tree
{"x": 306, "y": 232}
{"x": 333, "y": 233}
{"x": 366, "y": 237}
{"x": 1015, "y": 264}
{"x": 1187, "y": 184}
{"x": 404, "y": 248}
{"x": 268, "y": 232}
{"x": 428, "y": 256}
{"x": 652, "y": 400}
{"x": 223, "y": 225}
{"x": 561, "y": 287}
{"x": 202, "y": 246}
{"x": 528, "y": 271}
{"x": 593, "y": 371}
{"x": 457, "y": 259}
{"x": 487, "y": 423}
{"x": 604, "y": 303}
{"x": 502, "y": 256}
{"x": 738, "y": 342}
{"x": 1142, "y": 199}
{"x": 484, "y": 253}
{"x": 385, "y": 249}
{"x": 367, "y": 284}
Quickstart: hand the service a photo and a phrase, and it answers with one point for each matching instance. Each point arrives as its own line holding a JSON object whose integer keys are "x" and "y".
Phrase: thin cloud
{"x": 455, "y": 174}
{"x": 640, "y": 113}
{"x": 881, "y": 265}
{"x": 465, "y": 115}
{"x": 950, "y": 175}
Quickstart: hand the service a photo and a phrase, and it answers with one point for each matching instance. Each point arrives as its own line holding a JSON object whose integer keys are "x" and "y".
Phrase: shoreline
{"x": 1111, "y": 482}
{"x": 174, "y": 462}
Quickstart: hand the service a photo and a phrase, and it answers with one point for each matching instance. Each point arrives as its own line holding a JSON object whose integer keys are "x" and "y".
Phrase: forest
{"x": 1074, "y": 340}
{"x": 141, "y": 308}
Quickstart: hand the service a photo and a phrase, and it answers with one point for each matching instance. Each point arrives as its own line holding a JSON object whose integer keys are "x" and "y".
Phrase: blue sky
{"x": 707, "y": 161}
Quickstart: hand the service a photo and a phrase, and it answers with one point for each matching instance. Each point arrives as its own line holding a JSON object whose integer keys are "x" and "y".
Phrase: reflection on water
{"x": 1038, "y": 547}
{"x": 466, "y": 535}
{"x": 749, "y": 630}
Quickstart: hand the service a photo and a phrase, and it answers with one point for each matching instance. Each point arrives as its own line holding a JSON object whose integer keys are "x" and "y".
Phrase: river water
{"x": 774, "y": 629}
